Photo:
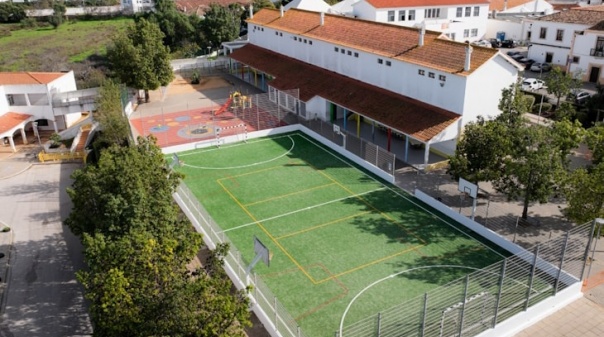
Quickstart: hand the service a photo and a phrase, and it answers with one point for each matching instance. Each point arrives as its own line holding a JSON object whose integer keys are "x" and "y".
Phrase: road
{"x": 42, "y": 297}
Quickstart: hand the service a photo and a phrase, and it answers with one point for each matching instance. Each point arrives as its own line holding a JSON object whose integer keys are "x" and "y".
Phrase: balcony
{"x": 597, "y": 52}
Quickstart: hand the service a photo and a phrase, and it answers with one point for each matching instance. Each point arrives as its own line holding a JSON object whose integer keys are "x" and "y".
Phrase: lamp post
{"x": 542, "y": 95}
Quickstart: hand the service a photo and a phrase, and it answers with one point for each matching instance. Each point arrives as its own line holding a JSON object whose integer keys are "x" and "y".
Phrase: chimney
{"x": 322, "y": 18}
{"x": 505, "y": 5}
{"x": 422, "y": 33}
{"x": 281, "y": 8}
{"x": 466, "y": 66}
{"x": 251, "y": 11}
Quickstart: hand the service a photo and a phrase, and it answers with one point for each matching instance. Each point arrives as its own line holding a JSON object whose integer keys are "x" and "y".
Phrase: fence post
{"x": 501, "y": 280}
{"x": 532, "y": 276}
{"x": 591, "y": 236}
{"x": 463, "y": 304}
{"x": 424, "y": 314}
{"x": 377, "y": 155}
{"x": 515, "y": 230}
{"x": 562, "y": 255}
{"x": 379, "y": 324}
{"x": 276, "y": 317}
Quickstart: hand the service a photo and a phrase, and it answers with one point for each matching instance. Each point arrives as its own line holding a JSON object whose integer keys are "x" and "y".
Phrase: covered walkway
{"x": 12, "y": 122}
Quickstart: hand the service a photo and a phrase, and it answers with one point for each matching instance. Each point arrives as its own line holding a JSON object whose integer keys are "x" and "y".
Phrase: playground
{"x": 183, "y": 112}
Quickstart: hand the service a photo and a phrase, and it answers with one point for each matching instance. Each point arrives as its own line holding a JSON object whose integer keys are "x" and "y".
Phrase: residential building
{"x": 587, "y": 53}
{"x": 137, "y": 6}
{"x": 552, "y": 38}
{"x": 415, "y": 83}
{"x": 506, "y": 19}
{"x": 460, "y": 20}
{"x": 309, "y": 5}
{"x": 50, "y": 99}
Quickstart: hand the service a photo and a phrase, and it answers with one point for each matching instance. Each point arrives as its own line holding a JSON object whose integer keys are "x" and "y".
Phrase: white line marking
{"x": 302, "y": 210}
{"x": 321, "y": 146}
{"x": 248, "y": 165}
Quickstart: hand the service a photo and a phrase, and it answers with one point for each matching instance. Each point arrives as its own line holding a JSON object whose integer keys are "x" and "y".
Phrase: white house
{"x": 137, "y": 6}
{"x": 309, "y": 5}
{"x": 506, "y": 19}
{"x": 50, "y": 99}
{"x": 587, "y": 54}
{"x": 460, "y": 20}
{"x": 553, "y": 38}
{"x": 410, "y": 81}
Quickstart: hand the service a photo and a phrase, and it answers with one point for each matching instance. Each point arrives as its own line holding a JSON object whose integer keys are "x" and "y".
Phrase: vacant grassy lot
{"x": 49, "y": 49}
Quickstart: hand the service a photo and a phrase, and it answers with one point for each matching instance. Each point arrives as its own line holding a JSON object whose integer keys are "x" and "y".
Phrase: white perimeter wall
{"x": 513, "y": 29}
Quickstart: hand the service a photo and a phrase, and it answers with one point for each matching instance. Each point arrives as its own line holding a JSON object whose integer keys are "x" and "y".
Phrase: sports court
{"x": 335, "y": 232}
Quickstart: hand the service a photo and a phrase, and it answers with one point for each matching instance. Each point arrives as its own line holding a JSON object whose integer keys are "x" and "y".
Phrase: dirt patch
{"x": 182, "y": 86}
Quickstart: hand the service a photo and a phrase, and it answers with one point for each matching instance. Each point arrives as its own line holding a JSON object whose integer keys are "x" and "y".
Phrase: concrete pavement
{"x": 40, "y": 295}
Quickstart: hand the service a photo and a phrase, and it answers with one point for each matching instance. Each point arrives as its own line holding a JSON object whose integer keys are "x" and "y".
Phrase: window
{"x": 401, "y": 15}
{"x": 466, "y": 33}
{"x": 468, "y": 11}
{"x": 342, "y": 51}
{"x": 305, "y": 41}
{"x": 476, "y": 11}
{"x": 300, "y": 40}
{"x": 576, "y": 59}
{"x": 380, "y": 61}
{"x": 309, "y": 41}
{"x": 411, "y": 16}
{"x": 336, "y": 49}
{"x": 295, "y": 38}
{"x": 459, "y": 13}
{"x": 277, "y": 33}
{"x": 543, "y": 33}
{"x": 474, "y": 32}
{"x": 431, "y": 75}
{"x": 421, "y": 72}
{"x": 37, "y": 99}
{"x": 356, "y": 54}
{"x": 559, "y": 34}
{"x": 442, "y": 78}
{"x": 10, "y": 99}
{"x": 17, "y": 100}
{"x": 388, "y": 63}
{"x": 280, "y": 34}
{"x": 432, "y": 13}
{"x": 349, "y": 53}
{"x": 390, "y": 16}
{"x": 42, "y": 122}
{"x": 599, "y": 47}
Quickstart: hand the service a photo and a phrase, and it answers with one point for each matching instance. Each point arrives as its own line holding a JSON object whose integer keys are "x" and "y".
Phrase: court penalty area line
{"x": 399, "y": 273}
{"x": 248, "y": 165}
{"x": 301, "y": 210}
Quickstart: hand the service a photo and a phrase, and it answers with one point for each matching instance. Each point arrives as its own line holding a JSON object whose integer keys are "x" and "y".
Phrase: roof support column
{"x": 358, "y": 126}
{"x": 406, "y": 148}
{"x": 11, "y": 141}
{"x": 23, "y": 135}
{"x": 345, "y": 119}
{"x": 389, "y": 139}
{"x": 426, "y": 154}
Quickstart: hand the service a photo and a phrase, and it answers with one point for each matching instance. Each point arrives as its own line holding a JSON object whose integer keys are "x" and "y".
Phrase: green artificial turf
{"x": 332, "y": 228}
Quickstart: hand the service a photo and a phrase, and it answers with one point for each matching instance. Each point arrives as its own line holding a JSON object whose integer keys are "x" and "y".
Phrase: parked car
{"x": 509, "y": 44}
{"x": 512, "y": 53}
{"x": 527, "y": 62}
{"x": 541, "y": 67}
{"x": 482, "y": 43}
{"x": 518, "y": 56}
{"x": 578, "y": 97}
{"x": 495, "y": 43}
{"x": 531, "y": 84}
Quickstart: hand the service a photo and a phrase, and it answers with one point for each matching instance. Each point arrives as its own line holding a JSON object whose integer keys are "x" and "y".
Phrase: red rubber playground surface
{"x": 197, "y": 125}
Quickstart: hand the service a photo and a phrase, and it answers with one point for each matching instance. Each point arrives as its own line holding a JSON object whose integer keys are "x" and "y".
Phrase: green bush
{"x": 55, "y": 140}
{"x": 29, "y": 23}
{"x": 195, "y": 78}
{"x": 530, "y": 100}
{"x": 545, "y": 108}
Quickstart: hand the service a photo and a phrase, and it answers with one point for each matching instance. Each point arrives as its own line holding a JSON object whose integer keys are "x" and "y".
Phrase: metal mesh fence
{"x": 486, "y": 297}
{"x": 282, "y": 321}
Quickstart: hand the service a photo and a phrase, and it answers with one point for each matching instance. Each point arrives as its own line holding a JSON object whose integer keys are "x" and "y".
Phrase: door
{"x": 594, "y": 74}
{"x": 549, "y": 57}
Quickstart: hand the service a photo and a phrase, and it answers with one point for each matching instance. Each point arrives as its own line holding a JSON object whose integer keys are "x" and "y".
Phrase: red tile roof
{"x": 11, "y": 119}
{"x": 498, "y": 5}
{"x": 381, "y": 39}
{"x": 13, "y": 78}
{"x": 589, "y": 15}
{"x": 417, "y": 119}
{"x": 423, "y": 3}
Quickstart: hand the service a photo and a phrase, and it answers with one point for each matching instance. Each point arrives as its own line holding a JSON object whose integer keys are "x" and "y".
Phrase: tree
{"x": 528, "y": 162}
{"x": 129, "y": 188}
{"x": 560, "y": 84}
{"x": 58, "y": 14}
{"x": 109, "y": 113}
{"x": 595, "y": 142}
{"x": 178, "y": 28}
{"x": 584, "y": 192}
{"x": 221, "y": 24}
{"x": 139, "y": 58}
{"x": 11, "y": 13}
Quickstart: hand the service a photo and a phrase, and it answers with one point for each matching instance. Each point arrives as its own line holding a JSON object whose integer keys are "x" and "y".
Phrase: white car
{"x": 530, "y": 84}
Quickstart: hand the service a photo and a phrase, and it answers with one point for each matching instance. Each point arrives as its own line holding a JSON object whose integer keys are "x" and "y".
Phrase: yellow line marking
{"x": 321, "y": 225}
{"x": 369, "y": 264}
{"x": 288, "y": 195}
{"x": 249, "y": 173}
{"x": 388, "y": 217}
{"x": 267, "y": 233}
